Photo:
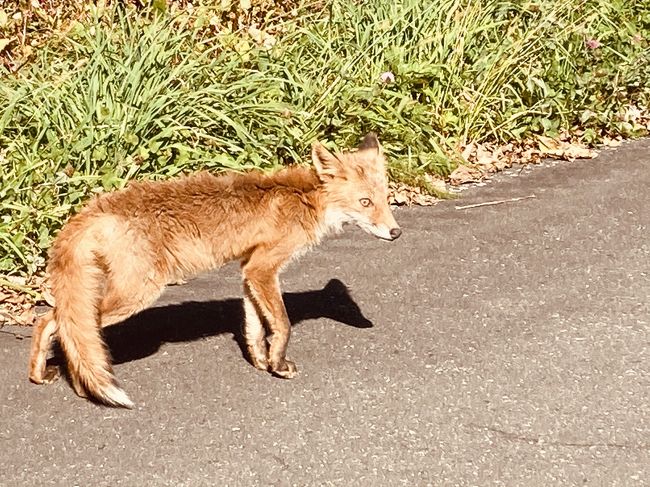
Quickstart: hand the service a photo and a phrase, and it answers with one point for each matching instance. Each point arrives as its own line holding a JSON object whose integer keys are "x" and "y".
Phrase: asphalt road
{"x": 498, "y": 345}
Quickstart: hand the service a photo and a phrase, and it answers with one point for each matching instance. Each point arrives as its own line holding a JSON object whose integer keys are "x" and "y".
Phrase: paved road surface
{"x": 500, "y": 345}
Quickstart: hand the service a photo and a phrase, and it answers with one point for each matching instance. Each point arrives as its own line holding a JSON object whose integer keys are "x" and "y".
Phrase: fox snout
{"x": 390, "y": 235}
{"x": 388, "y": 229}
{"x": 382, "y": 231}
{"x": 380, "y": 223}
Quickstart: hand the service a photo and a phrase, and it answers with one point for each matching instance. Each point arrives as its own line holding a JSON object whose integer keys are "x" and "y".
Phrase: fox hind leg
{"x": 39, "y": 371}
{"x": 133, "y": 284}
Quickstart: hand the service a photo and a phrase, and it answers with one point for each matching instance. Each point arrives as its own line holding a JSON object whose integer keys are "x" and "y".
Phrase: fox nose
{"x": 395, "y": 233}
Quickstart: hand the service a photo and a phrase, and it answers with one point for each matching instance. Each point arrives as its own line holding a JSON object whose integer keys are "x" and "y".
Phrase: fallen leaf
{"x": 609, "y": 142}
{"x": 501, "y": 165}
{"x": 564, "y": 150}
{"x": 16, "y": 298}
{"x": 468, "y": 151}
{"x": 401, "y": 194}
{"x": 632, "y": 114}
{"x": 548, "y": 145}
{"x": 465, "y": 174}
{"x": 18, "y": 280}
{"x": 577, "y": 151}
{"x": 399, "y": 199}
{"x": 503, "y": 151}
{"x": 437, "y": 183}
{"x": 530, "y": 155}
{"x": 27, "y": 317}
{"x": 4, "y": 43}
{"x": 48, "y": 297}
{"x": 484, "y": 155}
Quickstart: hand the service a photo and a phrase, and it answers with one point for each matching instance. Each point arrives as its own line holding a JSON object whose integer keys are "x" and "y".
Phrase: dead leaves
{"x": 401, "y": 194}
{"x": 485, "y": 159}
{"x": 561, "y": 149}
{"x": 18, "y": 299}
{"x": 466, "y": 174}
{"x": 16, "y": 308}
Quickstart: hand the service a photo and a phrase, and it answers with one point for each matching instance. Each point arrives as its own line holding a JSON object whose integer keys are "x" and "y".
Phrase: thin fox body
{"x": 115, "y": 256}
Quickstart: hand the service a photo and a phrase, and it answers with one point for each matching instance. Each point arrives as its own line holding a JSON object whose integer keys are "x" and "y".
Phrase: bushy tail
{"x": 77, "y": 277}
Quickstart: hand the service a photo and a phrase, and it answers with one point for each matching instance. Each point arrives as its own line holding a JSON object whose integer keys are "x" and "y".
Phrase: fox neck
{"x": 334, "y": 219}
{"x": 331, "y": 217}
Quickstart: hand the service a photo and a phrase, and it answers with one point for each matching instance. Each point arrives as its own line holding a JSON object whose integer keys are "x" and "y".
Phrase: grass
{"x": 131, "y": 94}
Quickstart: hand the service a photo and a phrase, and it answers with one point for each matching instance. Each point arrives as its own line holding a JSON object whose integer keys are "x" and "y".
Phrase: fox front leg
{"x": 254, "y": 332}
{"x": 265, "y": 291}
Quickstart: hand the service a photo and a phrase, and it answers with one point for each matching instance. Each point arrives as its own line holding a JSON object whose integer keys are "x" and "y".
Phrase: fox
{"x": 118, "y": 253}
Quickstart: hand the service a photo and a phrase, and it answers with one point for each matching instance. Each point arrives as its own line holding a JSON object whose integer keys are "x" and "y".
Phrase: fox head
{"x": 356, "y": 188}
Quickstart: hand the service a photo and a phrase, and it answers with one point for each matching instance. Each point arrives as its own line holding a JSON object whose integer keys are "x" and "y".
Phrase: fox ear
{"x": 326, "y": 163}
{"x": 370, "y": 141}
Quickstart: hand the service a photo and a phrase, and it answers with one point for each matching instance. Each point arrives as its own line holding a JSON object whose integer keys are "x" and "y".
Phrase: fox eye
{"x": 365, "y": 202}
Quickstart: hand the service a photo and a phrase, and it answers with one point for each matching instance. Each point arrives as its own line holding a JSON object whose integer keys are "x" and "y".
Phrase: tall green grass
{"x": 138, "y": 95}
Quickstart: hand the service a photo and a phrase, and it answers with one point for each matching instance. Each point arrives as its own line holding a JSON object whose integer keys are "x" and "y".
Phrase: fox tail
{"x": 77, "y": 277}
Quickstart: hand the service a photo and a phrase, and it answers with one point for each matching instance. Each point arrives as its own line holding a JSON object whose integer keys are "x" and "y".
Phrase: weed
{"x": 150, "y": 95}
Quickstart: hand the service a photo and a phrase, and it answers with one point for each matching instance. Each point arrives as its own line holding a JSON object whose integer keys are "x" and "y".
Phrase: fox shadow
{"x": 143, "y": 334}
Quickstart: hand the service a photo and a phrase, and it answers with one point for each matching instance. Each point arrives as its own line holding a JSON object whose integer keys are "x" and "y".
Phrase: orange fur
{"x": 116, "y": 255}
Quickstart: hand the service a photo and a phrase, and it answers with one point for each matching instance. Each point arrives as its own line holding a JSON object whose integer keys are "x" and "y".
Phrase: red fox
{"x": 115, "y": 256}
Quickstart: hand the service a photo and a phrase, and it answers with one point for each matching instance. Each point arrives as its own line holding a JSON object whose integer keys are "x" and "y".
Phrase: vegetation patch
{"x": 99, "y": 93}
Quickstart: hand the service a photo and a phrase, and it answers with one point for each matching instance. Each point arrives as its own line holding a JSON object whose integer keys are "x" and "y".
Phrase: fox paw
{"x": 257, "y": 356}
{"x": 259, "y": 362}
{"x": 285, "y": 369}
{"x": 50, "y": 374}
